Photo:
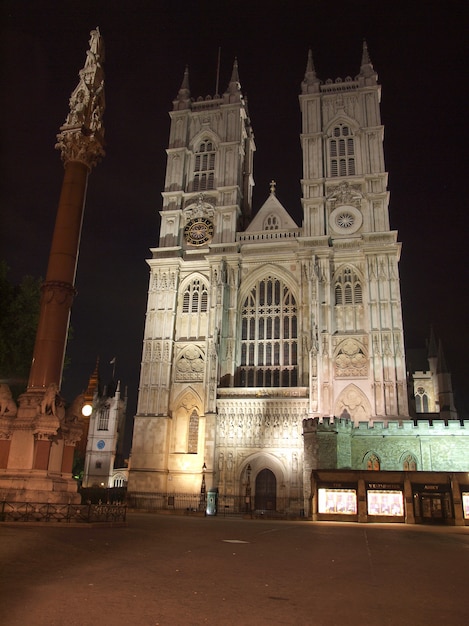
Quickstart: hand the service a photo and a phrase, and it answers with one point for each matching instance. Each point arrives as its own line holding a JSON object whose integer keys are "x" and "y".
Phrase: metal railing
{"x": 190, "y": 503}
{"x": 62, "y": 513}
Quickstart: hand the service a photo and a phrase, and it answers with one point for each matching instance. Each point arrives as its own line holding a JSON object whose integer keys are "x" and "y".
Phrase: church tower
{"x": 206, "y": 201}
{"x": 358, "y": 366}
{"x": 254, "y": 325}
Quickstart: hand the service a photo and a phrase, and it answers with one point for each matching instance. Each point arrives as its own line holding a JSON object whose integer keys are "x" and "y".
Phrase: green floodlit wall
{"x": 337, "y": 443}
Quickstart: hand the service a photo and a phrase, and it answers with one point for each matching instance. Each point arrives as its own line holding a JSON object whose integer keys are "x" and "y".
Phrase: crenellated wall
{"x": 334, "y": 443}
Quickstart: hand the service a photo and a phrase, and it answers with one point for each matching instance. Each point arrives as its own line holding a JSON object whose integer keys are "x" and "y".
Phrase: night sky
{"x": 417, "y": 47}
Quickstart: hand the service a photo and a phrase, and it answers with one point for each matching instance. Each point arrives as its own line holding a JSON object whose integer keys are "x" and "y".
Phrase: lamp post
{"x": 248, "y": 488}
{"x": 203, "y": 489}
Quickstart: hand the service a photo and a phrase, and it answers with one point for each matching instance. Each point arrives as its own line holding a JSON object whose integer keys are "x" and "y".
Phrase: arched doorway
{"x": 266, "y": 491}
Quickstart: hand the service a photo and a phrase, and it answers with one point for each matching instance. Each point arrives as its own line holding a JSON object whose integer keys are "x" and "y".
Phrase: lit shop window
{"x": 341, "y": 501}
{"x": 385, "y": 502}
{"x": 465, "y": 504}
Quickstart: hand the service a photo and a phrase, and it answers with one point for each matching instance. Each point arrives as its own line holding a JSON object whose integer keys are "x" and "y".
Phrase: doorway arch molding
{"x": 258, "y": 462}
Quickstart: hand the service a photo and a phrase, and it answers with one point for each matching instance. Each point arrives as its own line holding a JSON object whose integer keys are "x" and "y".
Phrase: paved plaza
{"x": 173, "y": 570}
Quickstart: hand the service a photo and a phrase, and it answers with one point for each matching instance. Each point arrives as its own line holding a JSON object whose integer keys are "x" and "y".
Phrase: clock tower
{"x": 206, "y": 201}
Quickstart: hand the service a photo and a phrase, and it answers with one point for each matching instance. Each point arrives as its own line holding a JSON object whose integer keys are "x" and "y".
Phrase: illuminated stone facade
{"x": 256, "y": 324}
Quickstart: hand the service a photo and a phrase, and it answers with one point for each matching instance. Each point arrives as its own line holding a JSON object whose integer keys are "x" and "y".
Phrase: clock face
{"x": 198, "y": 231}
{"x": 101, "y": 444}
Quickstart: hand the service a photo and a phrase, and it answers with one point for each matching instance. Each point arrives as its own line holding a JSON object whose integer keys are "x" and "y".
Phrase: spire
{"x": 93, "y": 384}
{"x": 233, "y": 90}
{"x": 183, "y": 98}
{"x": 445, "y": 388}
{"x": 367, "y": 71}
{"x": 310, "y": 82}
{"x": 235, "y": 75}
{"x": 442, "y": 368}
{"x": 365, "y": 54}
{"x": 184, "y": 90}
{"x": 82, "y": 136}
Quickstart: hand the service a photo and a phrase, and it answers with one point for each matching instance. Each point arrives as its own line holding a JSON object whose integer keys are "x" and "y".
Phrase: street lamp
{"x": 203, "y": 489}
{"x": 248, "y": 488}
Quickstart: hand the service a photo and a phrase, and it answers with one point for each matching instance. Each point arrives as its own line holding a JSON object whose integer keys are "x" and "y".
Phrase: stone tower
{"x": 356, "y": 316}
{"x": 255, "y": 324}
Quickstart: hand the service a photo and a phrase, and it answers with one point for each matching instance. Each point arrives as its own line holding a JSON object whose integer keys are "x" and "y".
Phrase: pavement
{"x": 177, "y": 570}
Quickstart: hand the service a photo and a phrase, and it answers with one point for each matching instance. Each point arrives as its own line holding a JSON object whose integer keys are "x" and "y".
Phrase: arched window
{"x": 372, "y": 462}
{"x": 204, "y": 166}
{"x": 409, "y": 463}
{"x": 193, "y": 436}
{"x": 271, "y": 223}
{"x": 342, "y": 151}
{"x": 348, "y": 289}
{"x": 195, "y": 298}
{"x": 269, "y": 341}
{"x": 103, "y": 418}
{"x": 421, "y": 400}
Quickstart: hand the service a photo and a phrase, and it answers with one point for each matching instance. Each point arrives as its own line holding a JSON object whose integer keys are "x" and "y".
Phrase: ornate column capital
{"x": 81, "y": 138}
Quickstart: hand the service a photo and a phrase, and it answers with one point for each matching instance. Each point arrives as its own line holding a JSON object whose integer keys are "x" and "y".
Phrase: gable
{"x": 271, "y": 216}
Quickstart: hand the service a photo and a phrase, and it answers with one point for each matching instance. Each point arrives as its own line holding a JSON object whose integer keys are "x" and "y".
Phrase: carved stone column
{"x": 30, "y": 471}
{"x": 80, "y": 141}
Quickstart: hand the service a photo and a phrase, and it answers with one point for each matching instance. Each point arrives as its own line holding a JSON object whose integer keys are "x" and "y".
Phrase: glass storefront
{"x": 432, "y": 503}
{"x": 340, "y": 501}
{"x": 385, "y": 502}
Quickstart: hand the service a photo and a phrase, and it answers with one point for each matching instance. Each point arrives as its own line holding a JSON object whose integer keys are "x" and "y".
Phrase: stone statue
{"x": 48, "y": 405}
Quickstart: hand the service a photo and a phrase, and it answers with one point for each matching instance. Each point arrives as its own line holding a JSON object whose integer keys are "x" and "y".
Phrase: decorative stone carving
{"x": 353, "y": 404}
{"x": 190, "y": 365}
{"x": 50, "y": 402}
{"x": 345, "y": 193}
{"x": 199, "y": 209}
{"x": 82, "y": 136}
{"x": 351, "y": 360}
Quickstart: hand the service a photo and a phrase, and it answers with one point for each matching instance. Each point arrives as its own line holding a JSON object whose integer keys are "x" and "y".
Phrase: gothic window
{"x": 348, "y": 289}
{"x": 269, "y": 336}
{"x": 409, "y": 464}
{"x": 204, "y": 166}
{"x": 271, "y": 223}
{"x": 342, "y": 151}
{"x": 103, "y": 418}
{"x": 98, "y": 465}
{"x": 421, "y": 400}
{"x": 193, "y": 437}
{"x": 372, "y": 462}
{"x": 195, "y": 298}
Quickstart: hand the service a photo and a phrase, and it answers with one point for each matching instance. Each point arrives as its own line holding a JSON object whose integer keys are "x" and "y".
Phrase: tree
{"x": 19, "y": 315}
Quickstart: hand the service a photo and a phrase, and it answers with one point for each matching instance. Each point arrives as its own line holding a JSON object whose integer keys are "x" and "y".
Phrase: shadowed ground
{"x": 192, "y": 570}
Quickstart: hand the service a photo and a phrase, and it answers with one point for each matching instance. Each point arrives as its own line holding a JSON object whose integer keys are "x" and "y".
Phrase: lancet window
{"x": 103, "y": 418}
{"x": 409, "y": 463}
{"x": 372, "y": 462}
{"x": 271, "y": 223}
{"x": 348, "y": 288}
{"x": 193, "y": 436}
{"x": 269, "y": 336}
{"x": 342, "y": 151}
{"x": 204, "y": 166}
{"x": 421, "y": 401}
{"x": 195, "y": 298}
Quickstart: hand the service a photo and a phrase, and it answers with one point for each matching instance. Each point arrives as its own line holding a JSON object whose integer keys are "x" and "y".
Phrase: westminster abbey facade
{"x": 273, "y": 349}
